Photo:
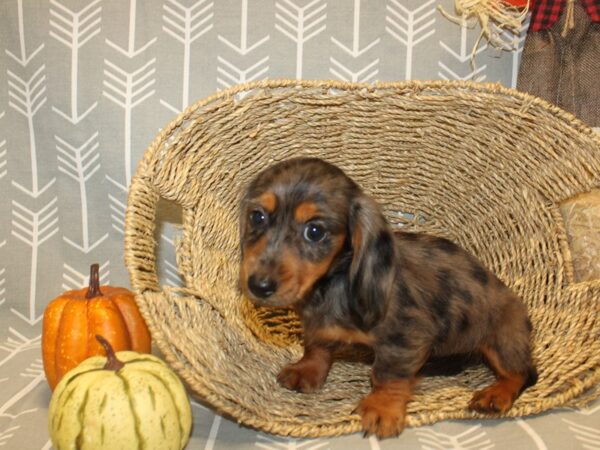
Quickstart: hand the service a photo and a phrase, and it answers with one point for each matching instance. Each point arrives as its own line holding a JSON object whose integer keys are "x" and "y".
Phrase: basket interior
{"x": 482, "y": 167}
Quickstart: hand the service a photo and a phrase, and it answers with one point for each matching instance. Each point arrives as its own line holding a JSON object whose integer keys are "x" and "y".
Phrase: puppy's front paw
{"x": 302, "y": 377}
{"x": 381, "y": 415}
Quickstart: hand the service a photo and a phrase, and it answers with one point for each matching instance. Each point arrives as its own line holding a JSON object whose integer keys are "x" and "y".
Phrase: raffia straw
{"x": 494, "y": 17}
{"x": 570, "y": 19}
{"x": 479, "y": 164}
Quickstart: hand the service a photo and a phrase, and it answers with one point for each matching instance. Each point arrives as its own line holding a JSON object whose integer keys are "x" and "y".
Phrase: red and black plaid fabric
{"x": 545, "y": 13}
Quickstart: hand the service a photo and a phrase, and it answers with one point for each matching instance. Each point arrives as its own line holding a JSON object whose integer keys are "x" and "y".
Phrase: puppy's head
{"x": 297, "y": 218}
{"x": 293, "y": 225}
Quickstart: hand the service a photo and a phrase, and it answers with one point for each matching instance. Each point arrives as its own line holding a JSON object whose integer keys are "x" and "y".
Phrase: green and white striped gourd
{"x": 125, "y": 401}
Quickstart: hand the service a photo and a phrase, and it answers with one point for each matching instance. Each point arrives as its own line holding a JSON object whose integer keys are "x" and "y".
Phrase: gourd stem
{"x": 94, "y": 287}
{"x": 112, "y": 363}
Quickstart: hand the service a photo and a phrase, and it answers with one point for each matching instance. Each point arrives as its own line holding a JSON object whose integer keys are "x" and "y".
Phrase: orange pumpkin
{"x": 72, "y": 321}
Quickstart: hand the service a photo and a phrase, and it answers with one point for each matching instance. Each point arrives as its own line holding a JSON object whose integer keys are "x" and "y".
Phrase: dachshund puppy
{"x": 312, "y": 240}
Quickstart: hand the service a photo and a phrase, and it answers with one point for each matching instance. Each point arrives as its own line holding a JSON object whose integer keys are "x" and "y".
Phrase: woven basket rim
{"x": 144, "y": 283}
{"x": 408, "y": 85}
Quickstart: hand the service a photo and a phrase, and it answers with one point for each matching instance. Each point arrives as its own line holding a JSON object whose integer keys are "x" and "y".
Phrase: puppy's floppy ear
{"x": 373, "y": 259}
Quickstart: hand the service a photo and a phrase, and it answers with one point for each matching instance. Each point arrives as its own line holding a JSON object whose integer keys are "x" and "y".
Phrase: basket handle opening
{"x": 140, "y": 225}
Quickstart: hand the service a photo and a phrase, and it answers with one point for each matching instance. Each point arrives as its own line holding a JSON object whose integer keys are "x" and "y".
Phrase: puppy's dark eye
{"x": 314, "y": 232}
{"x": 257, "y": 217}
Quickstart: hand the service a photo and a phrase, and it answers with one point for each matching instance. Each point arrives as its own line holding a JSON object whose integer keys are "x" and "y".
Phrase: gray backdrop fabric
{"x": 85, "y": 85}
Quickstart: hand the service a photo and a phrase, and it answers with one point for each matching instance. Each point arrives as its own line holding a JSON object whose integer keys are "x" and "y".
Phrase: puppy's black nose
{"x": 261, "y": 287}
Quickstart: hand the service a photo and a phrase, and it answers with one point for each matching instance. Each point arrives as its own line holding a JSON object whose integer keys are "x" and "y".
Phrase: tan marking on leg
{"x": 500, "y": 396}
{"x": 383, "y": 411}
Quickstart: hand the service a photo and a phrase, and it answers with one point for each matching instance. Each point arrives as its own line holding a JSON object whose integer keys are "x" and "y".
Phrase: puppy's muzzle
{"x": 261, "y": 286}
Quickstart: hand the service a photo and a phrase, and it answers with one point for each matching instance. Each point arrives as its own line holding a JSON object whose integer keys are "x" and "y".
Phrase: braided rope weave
{"x": 477, "y": 163}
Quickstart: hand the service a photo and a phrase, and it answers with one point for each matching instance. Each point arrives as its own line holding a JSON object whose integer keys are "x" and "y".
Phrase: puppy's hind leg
{"x": 508, "y": 354}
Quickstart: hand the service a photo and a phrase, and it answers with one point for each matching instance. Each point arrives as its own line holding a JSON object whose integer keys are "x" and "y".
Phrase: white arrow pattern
{"x": 3, "y": 162}
{"x": 300, "y": 24}
{"x": 464, "y": 58}
{"x": 37, "y": 375}
{"x": 186, "y": 25}
{"x": 22, "y": 58}
{"x": 244, "y": 48}
{"x": 2, "y": 285}
{"x": 5, "y": 435}
{"x": 117, "y": 206}
{"x": 366, "y": 73}
{"x": 128, "y": 90}
{"x": 74, "y": 30}
{"x": 282, "y": 443}
{"x": 27, "y": 97}
{"x": 80, "y": 164}
{"x": 230, "y": 75}
{"x": 519, "y": 43}
{"x": 17, "y": 343}
{"x": 589, "y": 437}
{"x": 131, "y": 51}
{"x": 34, "y": 228}
{"x": 74, "y": 279}
{"x": 173, "y": 276}
{"x": 410, "y": 27}
{"x": 474, "y": 438}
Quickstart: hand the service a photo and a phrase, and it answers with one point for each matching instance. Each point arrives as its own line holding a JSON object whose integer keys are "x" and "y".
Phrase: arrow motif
{"x": 589, "y": 410}
{"x": 589, "y": 437}
{"x": 16, "y": 343}
{"x": 33, "y": 229}
{"x": 27, "y": 97}
{"x": 80, "y": 164}
{"x": 117, "y": 207}
{"x": 231, "y": 75}
{"x": 407, "y": 27}
{"x": 128, "y": 90}
{"x": 244, "y": 48}
{"x": 448, "y": 74}
{"x": 130, "y": 51}
{"x": 174, "y": 278}
{"x": 35, "y": 369}
{"x": 356, "y": 51}
{"x": 343, "y": 72}
{"x": 7, "y": 434}
{"x": 463, "y": 55}
{"x": 519, "y": 43}
{"x": 18, "y": 397}
{"x": 284, "y": 443}
{"x": 23, "y": 59}
{"x": 3, "y": 153}
{"x": 173, "y": 275}
{"x": 364, "y": 75}
{"x": 472, "y": 438}
{"x": 73, "y": 279}
{"x": 74, "y": 30}
{"x": 535, "y": 437}
{"x": 186, "y": 25}
{"x": 2, "y": 285}
{"x": 299, "y": 23}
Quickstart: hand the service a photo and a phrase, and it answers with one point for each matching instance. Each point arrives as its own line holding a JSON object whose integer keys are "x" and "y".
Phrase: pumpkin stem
{"x": 94, "y": 287}
{"x": 112, "y": 363}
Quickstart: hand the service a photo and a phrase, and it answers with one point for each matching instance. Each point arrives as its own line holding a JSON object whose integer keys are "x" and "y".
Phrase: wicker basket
{"x": 480, "y": 164}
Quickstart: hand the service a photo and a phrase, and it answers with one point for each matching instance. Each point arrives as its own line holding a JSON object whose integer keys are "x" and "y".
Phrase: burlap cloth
{"x": 562, "y": 65}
